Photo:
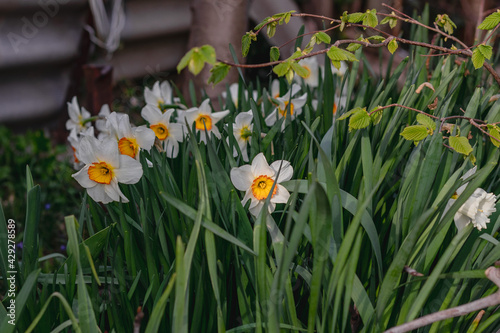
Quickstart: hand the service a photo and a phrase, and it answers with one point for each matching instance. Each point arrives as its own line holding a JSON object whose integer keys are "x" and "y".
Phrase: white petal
{"x": 215, "y": 131}
{"x": 286, "y": 171}
{"x": 82, "y": 177}
{"x": 99, "y": 194}
{"x": 205, "y": 107}
{"x": 244, "y": 118}
{"x": 166, "y": 92}
{"x": 176, "y": 131}
{"x": 249, "y": 196}
{"x": 282, "y": 195}
{"x": 130, "y": 170}
{"x": 113, "y": 191}
{"x": 260, "y": 166}
{"x": 255, "y": 211}
{"x": 108, "y": 152}
{"x": 461, "y": 221}
{"x": 171, "y": 147}
{"x": 216, "y": 116}
{"x": 242, "y": 177}
{"x": 85, "y": 114}
{"x": 469, "y": 173}
{"x": 272, "y": 118}
{"x": 145, "y": 137}
{"x": 295, "y": 89}
{"x": 191, "y": 115}
{"x": 87, "y": 149}
{"x": 151, "y": 114}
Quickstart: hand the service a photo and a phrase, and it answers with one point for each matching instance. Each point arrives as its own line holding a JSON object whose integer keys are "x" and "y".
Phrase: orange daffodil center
{"x": 169, "y": 133}
{"x": 261, "y": 186}
{"x": 128, "y": 146}
{"x": 283, "y": 112}
{"x": 101, "y": 172}
{"x": 160, "y": 130}
{"x": 202, "y": 121}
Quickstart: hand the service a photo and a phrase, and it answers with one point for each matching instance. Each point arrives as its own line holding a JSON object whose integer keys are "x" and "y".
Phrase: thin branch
{"x": 404, "y": 107}
{"x": 444, "y": 51}
{"x": 411, "y": 20}
{"x": 492, "y": 273}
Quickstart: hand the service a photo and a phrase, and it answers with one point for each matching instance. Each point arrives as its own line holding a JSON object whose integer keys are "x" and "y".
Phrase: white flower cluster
{"x": 113, "y": 156}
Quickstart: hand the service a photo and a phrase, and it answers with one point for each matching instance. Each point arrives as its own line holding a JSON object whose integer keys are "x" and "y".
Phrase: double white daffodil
{"x": 204, "y": 120}
{"x": 477, "y": 209}
{"x": 104, "y": 168}
{"x": 242, "y": 131}
{"x": 170, "y": 134}
{"x": 257, "y": 181}
{"x": 77, "y": 117}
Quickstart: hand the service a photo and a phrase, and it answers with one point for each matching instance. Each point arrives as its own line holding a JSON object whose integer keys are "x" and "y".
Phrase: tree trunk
{"x": 217, "y": 23}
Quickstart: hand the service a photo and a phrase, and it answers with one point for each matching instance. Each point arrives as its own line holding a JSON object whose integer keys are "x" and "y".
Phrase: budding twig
{"x": 492, "y": 273}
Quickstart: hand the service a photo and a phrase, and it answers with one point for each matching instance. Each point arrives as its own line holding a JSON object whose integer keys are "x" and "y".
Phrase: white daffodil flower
{"x": 203, "y": 118}
{"x": 242, "y": 131}
{"x": 130, "y": 139}
{"x": 257, "y": 180}
{"x": 170, "y": 134}
{"x": 159, "y": 95}
{"x": 476, "y": 210}
{"x": 312, "y": 67}
{"x": 77, "y": 117}
{"x": 104, "y": 168}
{"x": 286, "y": 106}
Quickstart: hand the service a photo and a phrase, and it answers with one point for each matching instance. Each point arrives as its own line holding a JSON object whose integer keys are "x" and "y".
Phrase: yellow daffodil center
{"x": 308, "y": 71}
{"x": 160, "y": 130}
{"x": 203, "y": 121}
{"x": 245, "y": 133}
{"x": 454, "y": 196}
{"x": 101, "y": 172}
{"x": 283, "y": 112}
{"x": 261, "y": 187}
{"x": 128, "y": 146}
{"x": 334, "y": 108}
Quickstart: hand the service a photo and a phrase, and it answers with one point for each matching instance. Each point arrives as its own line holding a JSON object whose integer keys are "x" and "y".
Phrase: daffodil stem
{"x": 492, "y": 273}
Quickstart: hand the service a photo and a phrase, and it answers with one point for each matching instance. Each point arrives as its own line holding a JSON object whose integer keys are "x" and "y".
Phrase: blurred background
{"x": 51, "y": 50}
